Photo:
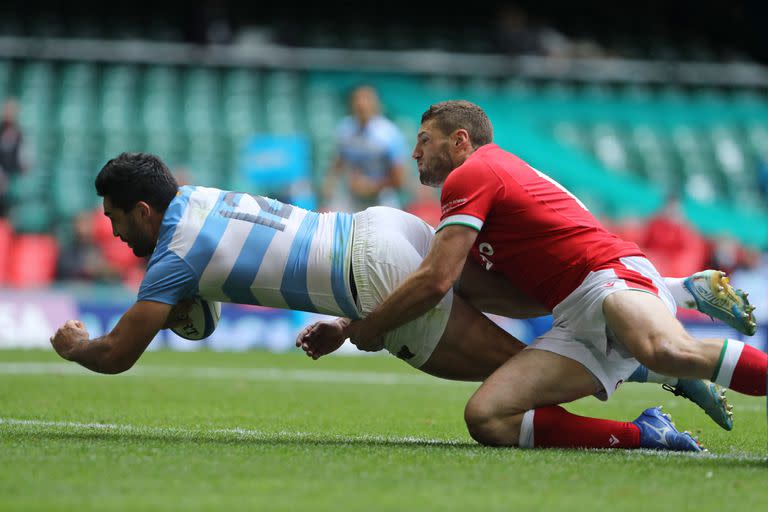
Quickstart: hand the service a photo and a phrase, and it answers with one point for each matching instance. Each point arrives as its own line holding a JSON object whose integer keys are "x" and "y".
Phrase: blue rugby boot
{"x": 707, "y": 395}
{"x": 714, "y": 296}
{"x": 657, "y": 432}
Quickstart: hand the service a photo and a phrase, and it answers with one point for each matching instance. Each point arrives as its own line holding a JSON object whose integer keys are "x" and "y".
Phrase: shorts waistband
{"x": 358, "y": 271}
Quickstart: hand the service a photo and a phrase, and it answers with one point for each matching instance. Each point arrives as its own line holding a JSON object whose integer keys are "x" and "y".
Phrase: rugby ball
{"x": 203, "y": 318}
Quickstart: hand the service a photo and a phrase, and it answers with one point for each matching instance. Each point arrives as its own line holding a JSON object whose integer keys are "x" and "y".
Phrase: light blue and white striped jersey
{"x": 235, "y": 247}
{"x": 372, "y": 149}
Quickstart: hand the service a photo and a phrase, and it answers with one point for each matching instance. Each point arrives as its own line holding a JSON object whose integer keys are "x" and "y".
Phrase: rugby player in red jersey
{"x": 610, "y": 307}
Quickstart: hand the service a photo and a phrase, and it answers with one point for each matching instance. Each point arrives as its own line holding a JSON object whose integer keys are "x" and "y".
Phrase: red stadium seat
{"x": 32, "y": 260}
{"x": 6, "y": 236}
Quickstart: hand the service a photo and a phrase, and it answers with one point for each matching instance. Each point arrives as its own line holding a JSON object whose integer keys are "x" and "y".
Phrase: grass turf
{"x": 247, "y": 431}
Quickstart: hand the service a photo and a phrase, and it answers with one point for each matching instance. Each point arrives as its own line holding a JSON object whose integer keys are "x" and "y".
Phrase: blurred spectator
{"x": 81, "y": 259}
{"x": 182, "y": 175}
{"x": 209, "y": 23}
{"x": 672, "y": 244}
{"x": 729, "y": 255}
{"x": 370, "y": 152}
{"x": 517, "y": 33}
{"x": 425, "y": 205}
{"x": 753, "y": 277}
{"x": 12, "y": 155}
{"x": 94, "y": 254}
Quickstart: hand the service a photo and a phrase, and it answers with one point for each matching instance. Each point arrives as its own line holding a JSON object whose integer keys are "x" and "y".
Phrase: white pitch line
{"x": 260, "y": 435}
{"x": 240, "y": 433}
{"x": 262, "y": 374}
{"x": 267, "y": 374}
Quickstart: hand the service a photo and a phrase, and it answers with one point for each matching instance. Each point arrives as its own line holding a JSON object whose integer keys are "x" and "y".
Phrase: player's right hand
{"x": 322, "y": 338}
{"x": 68, "y": 336}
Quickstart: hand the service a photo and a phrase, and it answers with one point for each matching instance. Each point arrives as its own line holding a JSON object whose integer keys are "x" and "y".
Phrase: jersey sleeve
{"x": 168, "y": 280}
{"x": 468, "y": 196}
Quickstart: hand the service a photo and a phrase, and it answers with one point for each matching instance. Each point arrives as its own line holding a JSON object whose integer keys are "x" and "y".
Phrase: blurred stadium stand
{"x": 624, "y": 105}
{"x": 622, "y": 146}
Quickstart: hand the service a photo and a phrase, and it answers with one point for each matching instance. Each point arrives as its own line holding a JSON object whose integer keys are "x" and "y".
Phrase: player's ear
{"x": 144, "y": 209}
{"x": 460, "y": 136}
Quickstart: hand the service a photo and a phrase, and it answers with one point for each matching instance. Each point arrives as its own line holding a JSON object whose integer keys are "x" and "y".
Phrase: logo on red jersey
{"x": 452, "y": 205}
{"x": 486, "y": 250}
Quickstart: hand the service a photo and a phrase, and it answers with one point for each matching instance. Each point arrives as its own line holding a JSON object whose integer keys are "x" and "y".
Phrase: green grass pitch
{"x": 259, "y": 431}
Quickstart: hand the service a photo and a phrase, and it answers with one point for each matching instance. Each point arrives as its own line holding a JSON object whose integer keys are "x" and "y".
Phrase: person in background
{"x": 425, "y": 205}
{"x": 675, "y": 247}
{"x": 370, "y": 154}
{"x": 94, "y": 254}
{"x": 13, "y": 158}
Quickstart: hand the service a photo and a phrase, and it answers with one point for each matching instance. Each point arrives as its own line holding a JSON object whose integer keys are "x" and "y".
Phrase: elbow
{"x": 439, "y": 287}
{"x": 116, "y": 364}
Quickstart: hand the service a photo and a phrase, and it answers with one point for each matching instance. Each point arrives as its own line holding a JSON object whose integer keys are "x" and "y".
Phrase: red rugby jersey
{"x": 531, "y": 229}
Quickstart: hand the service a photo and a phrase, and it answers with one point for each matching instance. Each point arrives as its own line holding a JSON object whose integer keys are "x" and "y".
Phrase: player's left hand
{"x": 68, "y": 336}
{"x": 322, "y": 338}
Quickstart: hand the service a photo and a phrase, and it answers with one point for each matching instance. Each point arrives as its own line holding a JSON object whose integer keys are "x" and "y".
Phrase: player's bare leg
{"x": 472, "y": 346}
{"x": 658, "y": 340}
{"x": 518, "y": 406}
{"x": 532, "y": 379}
{"x": 708, "y": 291}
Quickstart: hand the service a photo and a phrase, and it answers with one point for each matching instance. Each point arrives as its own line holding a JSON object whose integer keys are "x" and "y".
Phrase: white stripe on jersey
{"x": 201, "y": 201}
{"x": 226, "y": 254}
{"x": 318, "y": 279}
{"x": 465, "y": 220}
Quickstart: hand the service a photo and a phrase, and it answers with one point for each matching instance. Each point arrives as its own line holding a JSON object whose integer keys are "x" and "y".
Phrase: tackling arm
{"x": 117, "y": 351}
{"x": 420, "y": 292}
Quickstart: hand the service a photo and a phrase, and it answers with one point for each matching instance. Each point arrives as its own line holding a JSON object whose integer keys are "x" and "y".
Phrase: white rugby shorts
{"x": 579, "y": 331}
{"x": 387, "y": 246}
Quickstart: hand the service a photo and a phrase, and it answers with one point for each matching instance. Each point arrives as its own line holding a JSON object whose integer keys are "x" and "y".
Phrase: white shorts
{"x": 388, "y": 245}
{"x": 579, "y": 330}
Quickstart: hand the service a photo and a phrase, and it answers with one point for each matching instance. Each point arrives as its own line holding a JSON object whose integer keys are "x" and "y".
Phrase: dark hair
{"x": 451, "y": 115}
{"x": 133, "y": 177}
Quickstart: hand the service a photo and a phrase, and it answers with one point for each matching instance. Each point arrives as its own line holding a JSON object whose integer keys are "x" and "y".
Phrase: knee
{"x": 489, "y": 427}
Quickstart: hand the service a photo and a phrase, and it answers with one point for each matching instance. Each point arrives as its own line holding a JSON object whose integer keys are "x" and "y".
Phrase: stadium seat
{"x": 32, "y": 260}
{"x": 283, "y": 103}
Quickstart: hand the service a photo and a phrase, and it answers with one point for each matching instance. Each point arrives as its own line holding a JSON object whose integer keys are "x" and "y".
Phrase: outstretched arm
{"x": 420, "y": 292}
{"x": 117, "y": 351}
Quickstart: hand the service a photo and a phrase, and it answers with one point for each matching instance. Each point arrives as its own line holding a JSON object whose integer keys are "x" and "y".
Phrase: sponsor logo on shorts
{"x": 609, "y": 284}
{"x": 613, "y": 440}
{"x": 621, "y": 381}
{"x": 405, "y": 353}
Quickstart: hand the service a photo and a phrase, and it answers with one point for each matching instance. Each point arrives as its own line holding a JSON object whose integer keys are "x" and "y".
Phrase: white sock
{"x": 661, "y": 379}
{"x": 526, "y": 430}
{"x": 682, "y": 296}
{"x": 729, "y": 357}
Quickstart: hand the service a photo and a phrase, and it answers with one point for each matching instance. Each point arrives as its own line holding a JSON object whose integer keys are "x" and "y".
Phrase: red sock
{"x": 750, "y": 372}
{"x": 555, "y": 427}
